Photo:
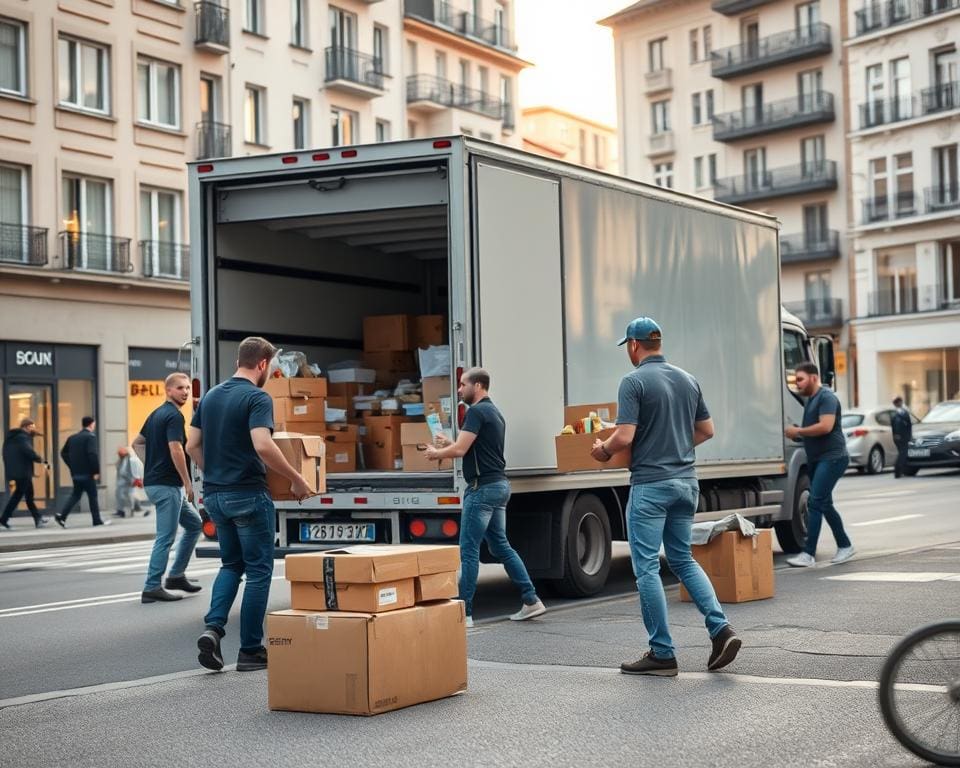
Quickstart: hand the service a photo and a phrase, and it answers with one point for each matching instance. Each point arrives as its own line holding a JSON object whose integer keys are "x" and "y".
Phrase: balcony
{"x": 876, "y": 16}
{"x": 353, "y": 72}
{"x": 23, "y": 245}
{"x": 909, "y": 300}
{"x": 942, "y": 198}
{"x": 817, "y": 313}
{"x": 169, "y": 261}
{"x": 213, "y": 140}
{"x": 86, "y": 251}
{"x": 774, "y": 116}
{"x": 887, "y": 208}
{"x": 814, "y": 246}
{"x": 733, "y": 7}
{"x": 887, "y": 111}
{"x": 212, "y": 27}
{"x": 661, "y": 80}
{"x": 940, "y": 98}
{"x": 509, "y": 119}
{"x": 780, "y": 182}
{"x": 782, "y": 48}
{"x": 430, "y": 94}
{"x": 468, "y": 25}
{"x": 660, "y": 144}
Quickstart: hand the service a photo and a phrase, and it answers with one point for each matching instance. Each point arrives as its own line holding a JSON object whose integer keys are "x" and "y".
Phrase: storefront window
{"x": 922, "y": 377}
{"x": 74, "y": 401}
{"x": 147, "y": 370}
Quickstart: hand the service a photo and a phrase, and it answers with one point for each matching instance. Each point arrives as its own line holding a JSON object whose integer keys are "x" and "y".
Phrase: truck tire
{"x": 792, "y": 533}
{"x": 587, "y": 548}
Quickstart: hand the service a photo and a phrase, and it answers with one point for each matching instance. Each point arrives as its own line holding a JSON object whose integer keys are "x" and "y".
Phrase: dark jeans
{"x": 900, "y": 467}
{"x": 824, "y": 476}
{"x": 22, "y": 489}
{"x": 246, "y": 529}
{"x": 83, "y": 484}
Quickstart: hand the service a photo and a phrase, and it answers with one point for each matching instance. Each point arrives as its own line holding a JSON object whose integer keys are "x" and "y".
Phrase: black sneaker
{"x": 209, "y": 645}
{"x": 182, "y": 583}
{"x": 6, "y": 526}
{"x": 648, "y": 664}
{"x": 61, "y": 520}
{"x": 726, "y": 645}
{"x": 158, "y": 595}
{"x": 251, "y": 662}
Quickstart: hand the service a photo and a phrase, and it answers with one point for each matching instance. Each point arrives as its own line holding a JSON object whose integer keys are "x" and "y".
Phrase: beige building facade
{"x": 556, "y": 133}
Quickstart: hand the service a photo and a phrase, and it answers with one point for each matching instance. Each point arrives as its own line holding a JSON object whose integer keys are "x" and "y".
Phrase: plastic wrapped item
{"x": 435, "y": 361}
{"x": 291, "y": 364}
{"x": 335, "y": 415}
{"x": 704, "y": 532}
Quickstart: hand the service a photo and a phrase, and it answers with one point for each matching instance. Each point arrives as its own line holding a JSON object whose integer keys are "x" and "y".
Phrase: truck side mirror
{"x": 823, "y": 349}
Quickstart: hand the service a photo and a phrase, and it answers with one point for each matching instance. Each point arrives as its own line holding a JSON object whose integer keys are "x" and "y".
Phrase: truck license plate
{"x": 337, "y": 531}
{"x": 918, "y": 453}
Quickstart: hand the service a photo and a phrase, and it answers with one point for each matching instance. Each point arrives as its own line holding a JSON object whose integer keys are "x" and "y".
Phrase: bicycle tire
{"x": 888, "y": 707}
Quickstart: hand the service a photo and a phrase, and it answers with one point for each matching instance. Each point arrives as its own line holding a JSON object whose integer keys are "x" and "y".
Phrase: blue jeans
{"x": 824, "y": 475}
{"x": 484, "y": 518}
{"x": 662, "y": 512}
{"x": 173, "y": 509}
{"x": 246, "y": 529}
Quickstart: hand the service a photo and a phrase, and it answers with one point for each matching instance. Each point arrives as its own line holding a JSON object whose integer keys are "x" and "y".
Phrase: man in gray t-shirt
{"x": 661, "y": 417}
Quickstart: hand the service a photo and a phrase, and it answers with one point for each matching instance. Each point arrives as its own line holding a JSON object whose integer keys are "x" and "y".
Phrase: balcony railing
{"x": 940, "y": 98}
{"x": 897, "y": 206}
{"x": 21, "y": 244}
{"x": 886, "y": 111}
{"x": 789, "y": 180}
{"x": 462, "y": 22}
{"x": 817, "y": 313}
{"x": 733, "y": 7}
{"x": 165, "y": 260}
{"x": 942, "y": 198}
{"x": 509, "y": 118}
{"x": 356, "y": 67}
{"x": 774, "y": 116}
{"x": 443, "y": 92}
{"x": 658, "y": 80}
{"x": 908, "y": 300}
{"x": 660, "y": 143}
{"x": 875, "y": 16}
{"x": 781, "y": 48}
{"x": 212, "y": 26}
{"x": 97, "y": 253}
{"x": 213, "y": 140}
{"x": 810, "y": 246}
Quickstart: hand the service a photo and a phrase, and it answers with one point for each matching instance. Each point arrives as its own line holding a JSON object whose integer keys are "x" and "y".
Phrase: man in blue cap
{"x": 661, "y": 417}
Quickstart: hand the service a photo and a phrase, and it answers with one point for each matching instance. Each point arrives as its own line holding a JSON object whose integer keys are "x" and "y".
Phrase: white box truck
{"x": 538, "y": 266}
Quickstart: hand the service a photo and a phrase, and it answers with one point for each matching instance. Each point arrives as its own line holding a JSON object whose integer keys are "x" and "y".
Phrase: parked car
{"x": 870, "y": 438}
{"x": 936, "y": 439}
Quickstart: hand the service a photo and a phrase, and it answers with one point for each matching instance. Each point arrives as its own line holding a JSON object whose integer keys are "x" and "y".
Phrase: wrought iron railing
{"x": 348, "y": 64}
{"x": 95, "y": 252}
{"x": 441, "y": 91}
{"x": 212, "y": 24}
{"x": 876, "y": 15}
{"x": 787, "y": 180}
{"x": 817, "y": 313}
{"x": 775, "y": 115}
{"x": 809, "y": 246}
{"x": 783, "y": 46}
{"x": 22, "y": 244}
{"x": 213, "y": 140}
{"x": 166, "y": 260}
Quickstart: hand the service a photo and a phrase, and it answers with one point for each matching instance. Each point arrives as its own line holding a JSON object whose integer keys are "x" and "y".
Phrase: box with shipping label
{"x": 739, "y": 567}
{"x": 382, "y": 448}
{"x": 296, "y": 387}
{"x": 299, "y": 409}
{"x": 414, "y": 439}
{"x": 368, "y": 598}
{"x": 341, "y": 447}
{"x": 390, "y": 361}
{"x": 436, "y": 388}
{"x": 365, "y": 664}
{"x": 573, "y": 451}
{"x": 429, "y": 331}
{"x": 437, "y": 566}
{"x": 388, "y": 333}
{"x": 306, "y": 454}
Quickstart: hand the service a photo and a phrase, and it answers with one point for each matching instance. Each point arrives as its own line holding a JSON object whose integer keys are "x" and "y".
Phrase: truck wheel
{"x": 587, "y": 550}
{"x": 792, "y": 533}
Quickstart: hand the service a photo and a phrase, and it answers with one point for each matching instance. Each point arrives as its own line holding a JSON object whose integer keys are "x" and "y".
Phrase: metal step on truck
{"x": 538, "y": 266}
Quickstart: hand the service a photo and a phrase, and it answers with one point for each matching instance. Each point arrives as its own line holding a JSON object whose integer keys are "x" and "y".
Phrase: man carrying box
{"x": 662, "y": 417}
{"x": 230, "y": 440}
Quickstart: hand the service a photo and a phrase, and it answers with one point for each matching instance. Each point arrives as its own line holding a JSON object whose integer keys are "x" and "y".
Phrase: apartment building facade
{"x": 742, "y": 101}
{"x": 904, "y": 81}
{"x": 556, "y": 133}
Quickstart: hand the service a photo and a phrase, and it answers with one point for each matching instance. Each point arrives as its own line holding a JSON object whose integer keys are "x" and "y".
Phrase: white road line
{"x": 882, "y": 520}
{"x": 67, "y": 602}
{"x": 59, "y": 552}
{"x": 913, "y": 577}
{"x": 83, "y": 562}
{"x": 70, "y": 607}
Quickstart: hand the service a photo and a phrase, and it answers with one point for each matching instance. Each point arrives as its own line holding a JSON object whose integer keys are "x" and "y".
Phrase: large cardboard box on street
{"x": 306, "y": 454}
{"x": 388, "y": 333}
{"x": 573, "y": 451}
{"x": 414, "y": 439}
{"x": 739, "y": 567}
{"x": 296, "y": 387}
{"x": 365, "y": 664}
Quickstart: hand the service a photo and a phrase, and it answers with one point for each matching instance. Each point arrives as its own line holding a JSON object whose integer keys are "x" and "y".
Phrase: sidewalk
{"x": 79, "y": 532}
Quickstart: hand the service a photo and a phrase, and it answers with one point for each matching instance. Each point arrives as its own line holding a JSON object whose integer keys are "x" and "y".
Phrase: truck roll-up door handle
{"x": 328, "y": 186}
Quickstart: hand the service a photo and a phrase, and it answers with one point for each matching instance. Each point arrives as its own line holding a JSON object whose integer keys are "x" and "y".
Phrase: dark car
{"x": 936, "y": 439}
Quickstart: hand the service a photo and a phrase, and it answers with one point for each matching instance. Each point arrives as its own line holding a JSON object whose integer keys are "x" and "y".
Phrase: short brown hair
{"x": 253, "y": 350}
{"x": 168, "y": 382}
{"x": 808, "y": 368}
{"x": 477, "y": 376}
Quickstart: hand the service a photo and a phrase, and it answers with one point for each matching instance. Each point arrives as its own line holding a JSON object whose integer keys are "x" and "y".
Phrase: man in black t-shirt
{"x": 166, "y": 480}
{"x": 484, "y": 515}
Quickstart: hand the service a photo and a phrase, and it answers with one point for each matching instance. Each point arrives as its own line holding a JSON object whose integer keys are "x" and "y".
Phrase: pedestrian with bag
{"x": 81, "y": 454}
{"x": 902, "y": 425}
{"x": 18, "y": 460}
{"x": 123, "y": 495}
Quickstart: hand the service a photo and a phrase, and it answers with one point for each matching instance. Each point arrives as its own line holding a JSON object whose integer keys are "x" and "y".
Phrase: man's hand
{"x": 432, "y": 452}
{"x": 598, "y": 452}
{"x": 97, "y": 478}
{"x": 188, "y": 490}
{"x": 300, "y": 489}
{"x": 442, "y": 441}
{"x": 792, "y": 432}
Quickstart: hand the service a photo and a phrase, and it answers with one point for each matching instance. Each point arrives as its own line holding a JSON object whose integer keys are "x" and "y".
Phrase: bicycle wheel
{"x": 920, "y": 692}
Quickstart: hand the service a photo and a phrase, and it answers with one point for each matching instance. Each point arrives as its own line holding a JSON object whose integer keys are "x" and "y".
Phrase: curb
{"x": 78, "y": 542}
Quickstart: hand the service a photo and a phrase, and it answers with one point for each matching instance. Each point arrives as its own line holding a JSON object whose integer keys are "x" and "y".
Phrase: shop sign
{"x": 30, "y": 359}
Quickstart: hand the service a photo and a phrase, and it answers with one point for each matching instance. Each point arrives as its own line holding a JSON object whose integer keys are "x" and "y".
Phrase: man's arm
{"x": 272, "y": 456}
{"x": 140, "y": 446}
{"x": 179, "y": 459}
{"x": 195, "y": 446}
{"x": 621, "y": 438}
{"x": 702, "y": 431}
{"x": 454, "y": 450}
{"x": 822, "y": 427}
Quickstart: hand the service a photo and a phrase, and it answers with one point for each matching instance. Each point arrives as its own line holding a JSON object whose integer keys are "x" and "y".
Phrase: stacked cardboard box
{"x": 297, "y": 401}
{"x": 341, "y": 447}
{"x": 414, "y": 439}
{"x": 382, "y": 446}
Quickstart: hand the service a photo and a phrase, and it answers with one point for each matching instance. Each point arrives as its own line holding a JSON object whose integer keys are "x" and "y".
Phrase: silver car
{"x": 870, "y": 438}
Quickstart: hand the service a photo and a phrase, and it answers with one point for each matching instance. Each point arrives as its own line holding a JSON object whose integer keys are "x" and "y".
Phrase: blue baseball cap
{"x": 641, "y": 329}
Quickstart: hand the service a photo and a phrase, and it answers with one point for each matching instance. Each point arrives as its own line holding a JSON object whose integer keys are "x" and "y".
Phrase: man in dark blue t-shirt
{"x": 166, "y": 480}
{"x": 827, "y": 460}
{"x": 231, "y": 441}
{"x": 484, "y": 516}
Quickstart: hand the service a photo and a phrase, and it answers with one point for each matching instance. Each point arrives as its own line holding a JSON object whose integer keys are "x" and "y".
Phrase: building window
{"x": 411, "y": 129}
{"x": 946, "y": 175}
{"x": 440, "y": 65}
{"x": 755, "y": 167}
{"x": 707, "y": 41}
{"x": 816, "y": 290}
{"x": 900, "y": 88}
{"x": 343, "y": 127}
{"x": 694, "y": 46}
{"x": 84, "y": 75}
{"x": 298, "y": 23}
{"x": 698, "y": 173}
{"x": 660, "y": 116}
{"x": 253, "y": 111}
{"x": 878, "y": 186}
{"x": 905, "y": 196}
{"x": 602, "y": 158}
{"x": 815, "y": 227}
{"x": 464, "y": 74}
{"x": 697, "y": 108}
{"x": 950, "y": 272}
{"x": 875, "y": 93}
{"x": 14, "y": 214}
{"x": 301, "y": 123}
{"x": 87, "y": 218}
{"x": 656, "y": 49}
{"x": 158, "y": 93}
{"x": 808, "y": 16}
{"x": 380, "y": 49}
{"x": 582, "y": 145}
{"x": 663, "y": 175}
{"x": 13, "y": 57}
{"x": 484, "y": 74}
{"x": 383, "y": 130}
{"x": 712, "y": 168}
{"x": 709, "y": 99}
{"x": 160, "y": 230}
{"x": 253, "y": 20}
{"x": 812, "y": 155}
{"x": 500, "y": 25}
{"x": 412, "y": 67}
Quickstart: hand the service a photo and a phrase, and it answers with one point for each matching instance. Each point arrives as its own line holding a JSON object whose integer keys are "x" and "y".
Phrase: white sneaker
{"x": 803, "y": 560}
{"x": 529, "y": 611}
{"x": 843, "y": 554}
{"x": 469, "y": 622}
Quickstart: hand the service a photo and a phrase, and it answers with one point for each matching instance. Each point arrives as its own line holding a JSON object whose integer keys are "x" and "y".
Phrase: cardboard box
{"x": 437, "y": 566}
{"x": 573, "y": 451}
{"x": 366, "y": 598}
{"x": 382, "y": 448}
{"x": 297, "y": 387}
{"x": 349, "y": 433}
{"x": 296, "y": 410}
{"x": 390, "y": 361}
{"x": 429, "y": 331}
{"x": 339, "y": 402}
{"x": 312, "y": 428}
{"x": 341, "y": 447}
{"x": 307, "y": 455}
{"x": 352, "y": 376}
{"x": 365, "y": 664}
{"x": 348, "y": 389}
{"x": 739, "y": 567}
{"x": 414, "y": 439}
{"x": 436, "y": 586}
{"x": 388, "y": 333}
{"x": 435, "y": 388}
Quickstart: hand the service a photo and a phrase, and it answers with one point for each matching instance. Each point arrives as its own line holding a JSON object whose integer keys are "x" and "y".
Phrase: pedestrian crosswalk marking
{"x": 902, "y": 576}
{"x": 883, "y": 520}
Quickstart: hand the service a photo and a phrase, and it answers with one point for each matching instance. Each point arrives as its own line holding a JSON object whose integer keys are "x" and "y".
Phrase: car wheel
{"x": 875, "y": 460}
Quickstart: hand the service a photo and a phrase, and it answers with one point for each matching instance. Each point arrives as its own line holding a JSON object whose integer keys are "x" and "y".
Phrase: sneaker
{"x": 803, "y": 560}
{"x": 469, "y": 622}
{"x": 251, "y": 662}
{"x": 529, "y": 611}
{"x": 103, "y": 522}
{"x": 182, "y": 583}
{"x": 843, "y": 554}
{"x": 119, "y": 513}
{"x": 6, "y": 526}
{"x": 726, "y": 646}
{"x": 158, "y": 595}
{"x": 209, "y": 645}
{"x": 648, "y": 664}
{"x": 42, "y": 522}
{"x": 61, "y": 520}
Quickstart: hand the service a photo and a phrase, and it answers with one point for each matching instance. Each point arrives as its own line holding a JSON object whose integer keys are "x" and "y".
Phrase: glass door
{"x": 35, "y": 401}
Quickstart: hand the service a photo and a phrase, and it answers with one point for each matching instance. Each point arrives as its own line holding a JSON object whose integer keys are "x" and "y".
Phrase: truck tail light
{"x": 348, "y": 153}
{"x": 209, "y": 529}
{"x": 205, "y": 168}
{"x": 444, "y": 500}
{"x": 442, "y": 144}
{"x": 450, "y": 528}
{"x": 289, "y": 159}
{"x": 326, "y": 500}
{"x": 417, "y": 528}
